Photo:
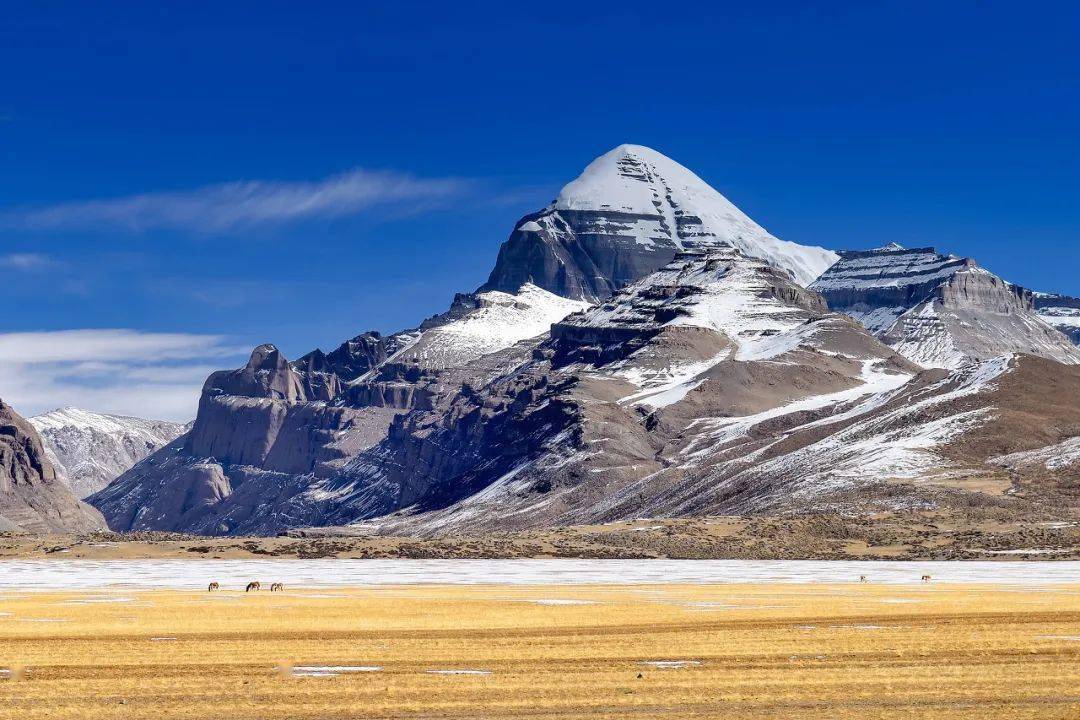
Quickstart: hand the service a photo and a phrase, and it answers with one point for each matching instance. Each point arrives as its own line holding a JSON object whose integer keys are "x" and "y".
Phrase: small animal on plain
{"x": 212, "y": 587}
{"x": 252, "y": 586}
{"x": 274, "y": 587}
{"x": 862, "y": 578}
{"x": 926, "y": 578}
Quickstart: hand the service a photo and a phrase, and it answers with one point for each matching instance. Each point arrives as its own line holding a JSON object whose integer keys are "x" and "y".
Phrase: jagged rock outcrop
{"x": 625, "y": 217}
{"x": 268, "y": 432}
{"x": 31, "y": 498}
{"x": 89, "y": 450}
{"x": 939, "y": 310}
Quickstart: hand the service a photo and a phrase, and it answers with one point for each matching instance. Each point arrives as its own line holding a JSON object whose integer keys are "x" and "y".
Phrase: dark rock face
{"x": 325, "y": 375}
{"x": 878, "y": 286}
{"x": 31, "y": 498}
{"x": 577, "y": 254}
{"x": 260, "y": 415}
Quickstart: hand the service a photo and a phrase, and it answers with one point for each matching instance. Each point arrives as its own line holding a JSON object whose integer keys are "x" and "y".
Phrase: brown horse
{"x": 252, "y": 586}
{"x": 212, "y": 587}
{"x": 274, "y": 587}
{"x": 926, "y": 578}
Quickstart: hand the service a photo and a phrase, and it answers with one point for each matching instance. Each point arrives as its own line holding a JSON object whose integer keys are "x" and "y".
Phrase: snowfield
{"x": 38, "y": 575}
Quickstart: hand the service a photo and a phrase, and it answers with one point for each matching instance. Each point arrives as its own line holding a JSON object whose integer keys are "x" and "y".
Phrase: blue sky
{"x": 276, "y": 172}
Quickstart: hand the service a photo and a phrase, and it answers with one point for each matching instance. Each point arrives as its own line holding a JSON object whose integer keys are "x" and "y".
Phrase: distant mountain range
{"x": 89, "y": 450}
{"x": 641, "y": 349}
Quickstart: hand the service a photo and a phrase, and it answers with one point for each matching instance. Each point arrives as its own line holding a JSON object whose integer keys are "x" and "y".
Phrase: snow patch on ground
{"x": 459, "y": 672}
{"x": 331, "y": 670}
{"x": 1052, "y": 457}
{"x": 671, "y": 664}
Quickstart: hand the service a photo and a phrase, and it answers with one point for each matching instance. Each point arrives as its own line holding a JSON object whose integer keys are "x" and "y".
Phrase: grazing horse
{"x": 862, "y": 578}
{"x": 926, "y": 578}
{"x": 274, "y": 587}
{"x": 212, "y": 587}
{"x": 253, "y": 586}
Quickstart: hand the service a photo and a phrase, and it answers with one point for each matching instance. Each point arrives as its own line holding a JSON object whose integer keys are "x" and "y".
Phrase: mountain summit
{"x": 641, "y": 349}
{"x": 626, "y": 216}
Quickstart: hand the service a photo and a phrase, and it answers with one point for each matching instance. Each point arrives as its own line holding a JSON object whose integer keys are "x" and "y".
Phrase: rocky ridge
{"x": 89, "y": 450}
{"x": 940, "y": 310}
{"x": 31, "y": 498}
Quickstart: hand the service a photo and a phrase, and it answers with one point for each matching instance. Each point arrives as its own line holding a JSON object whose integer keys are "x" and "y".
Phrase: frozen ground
{"x": 232, "y": 574}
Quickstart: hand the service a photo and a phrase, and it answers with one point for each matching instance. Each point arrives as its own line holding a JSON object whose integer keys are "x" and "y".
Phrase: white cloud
{"x": 125, "y": 372}
{"x": 26, "y": 261}
{"x": 215, "y": 208}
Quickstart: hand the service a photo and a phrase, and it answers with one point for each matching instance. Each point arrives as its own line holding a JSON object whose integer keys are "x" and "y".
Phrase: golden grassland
{"x": 762, "y": 651}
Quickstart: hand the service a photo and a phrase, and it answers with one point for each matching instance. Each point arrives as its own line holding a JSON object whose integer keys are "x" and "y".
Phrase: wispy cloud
{"x": 26, "y": 261}
{"x": 127, "y": 372}
{"x": 227, "y": 206}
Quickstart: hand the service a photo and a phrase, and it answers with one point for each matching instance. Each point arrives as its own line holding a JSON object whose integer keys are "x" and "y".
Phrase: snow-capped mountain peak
{"x": 627, "y": 215}
{"x": 89, "y": 420}
{"x": 639, "y": 180}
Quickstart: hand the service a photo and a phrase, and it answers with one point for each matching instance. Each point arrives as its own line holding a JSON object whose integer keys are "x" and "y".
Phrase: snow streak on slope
{"x": 675, "y": 203}
{"x": 925, "y": 338}
{"x": 1052, "y": 457}
{"x": 871, "y": 442}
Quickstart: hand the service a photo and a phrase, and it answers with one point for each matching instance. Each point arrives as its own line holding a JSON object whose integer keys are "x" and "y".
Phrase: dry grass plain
{"x": 753, "y": 651}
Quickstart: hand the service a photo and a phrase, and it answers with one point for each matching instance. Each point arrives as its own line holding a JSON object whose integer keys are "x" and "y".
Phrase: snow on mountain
{"x": 626, "y": 216}
{"x": 89, "y": 450}
{"x": 723, "y": 291}
{"x": 878, "y": 286}
{"x": 687, "y": 372}
{"x": 1061, "y": 312}
{"x": 677, "y": 204}
{"x": 939, "y": 310}
{"x": 495, "y": 321}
